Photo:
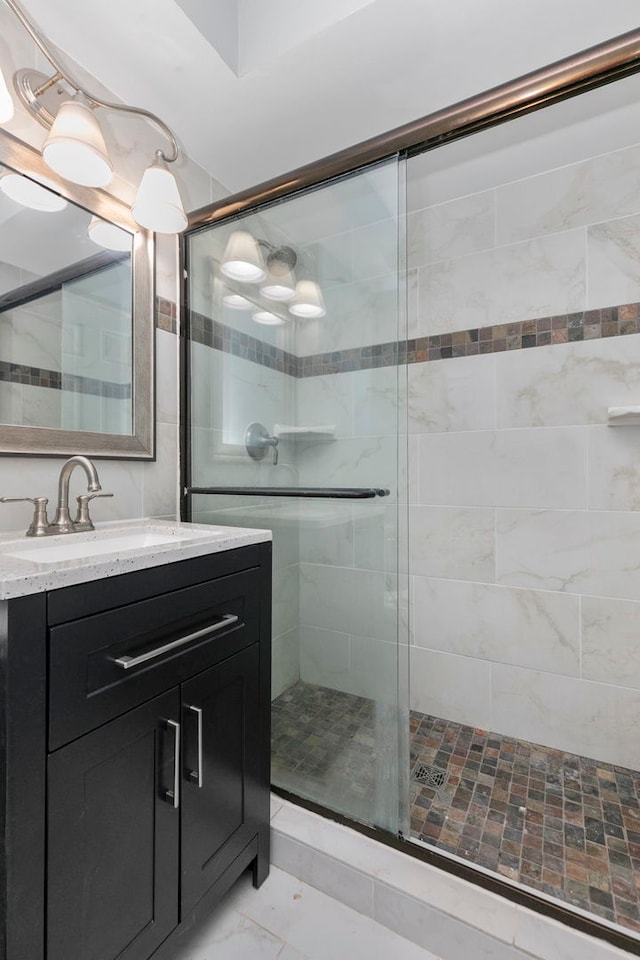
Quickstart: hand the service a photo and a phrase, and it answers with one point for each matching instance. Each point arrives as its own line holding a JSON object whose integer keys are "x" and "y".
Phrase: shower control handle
{"x": 257, "y": 441}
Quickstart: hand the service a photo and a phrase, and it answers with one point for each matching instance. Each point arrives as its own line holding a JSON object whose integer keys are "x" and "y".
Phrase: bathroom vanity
{"x": 134, "y": 734}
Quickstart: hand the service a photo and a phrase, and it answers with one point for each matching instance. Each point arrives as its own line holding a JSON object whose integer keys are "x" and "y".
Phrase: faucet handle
{"x": 40, "y": 521}
{"x": 83, "y": 520}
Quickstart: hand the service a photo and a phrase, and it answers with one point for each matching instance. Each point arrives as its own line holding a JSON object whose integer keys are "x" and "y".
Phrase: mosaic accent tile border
{"x": 541, "y": 332}
{"x": 166, "y": 315}
{"x": 54, "y": 380}
{"x": 557, "y": 822}
{"x": 212, "y": 333}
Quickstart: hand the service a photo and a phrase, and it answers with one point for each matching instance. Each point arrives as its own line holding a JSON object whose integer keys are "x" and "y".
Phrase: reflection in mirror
{"x": 66, "y": 328}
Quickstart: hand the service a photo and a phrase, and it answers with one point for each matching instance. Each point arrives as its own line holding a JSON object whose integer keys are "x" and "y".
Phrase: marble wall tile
{"x": 451, "y": 687}
{"x": 536, "y": 468}
{"x": 570, "y": 383}
{"x": 325, "y": 401}
{"x": 374, "y": 670}
{"x": 452, "y": 542}
{"x": 286, "y": 599}
{"x": 167, "y": 377}
{"x": 457, "y": 394}
{"x": 31, "y": 334}
{"x": 327, "y": 536}
{"x": 325, "y": 658}
{"x": 536, "y": 278}
{"x": 160, "y": 478}
{"x": 593, "y": 719}
{"x": 375, "y": 250}
{"x": 452, "y": 229}
{"x": 362, "y": 601}
{"x": 598, "y": 189}
{"x": 411, "y": 303}
{"x": 610, "y": 641}
{"x": 614, "y": 468}
{"x": 351, "y": 462}
{"x": 376, "y": 536}
{"x": 39, "y": 405}
{"x": 528, "y": 628}
{"x": 285, "y": 662}
{"x": 588, "y": 552}
{"x": 377, "y": 398}
{"x": 358, "y": 314}
{"x": 613, "y": 262}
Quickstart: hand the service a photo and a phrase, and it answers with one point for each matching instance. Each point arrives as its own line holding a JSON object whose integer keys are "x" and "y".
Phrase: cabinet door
{"x": 220, "y": 797}
{"x": 113, "y": 835}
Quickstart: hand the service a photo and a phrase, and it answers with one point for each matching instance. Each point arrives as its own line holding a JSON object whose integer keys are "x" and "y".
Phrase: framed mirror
{"x": 76, "y": 317}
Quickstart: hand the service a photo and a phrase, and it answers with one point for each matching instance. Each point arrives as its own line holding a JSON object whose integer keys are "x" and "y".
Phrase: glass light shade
{"x": 107, "y": 235}
{"x": 278, "y": 285}
{"x": 31, "y": 194}
{"x": 242, "y": 259}
{"x": 270, "y": 319}
{"x": 236, "y": 302}
{"x": 308, "y": 302}
{"x": 75, "y": 147}
{"x": 6, "y": 101}
{"x": 158, "y": 205}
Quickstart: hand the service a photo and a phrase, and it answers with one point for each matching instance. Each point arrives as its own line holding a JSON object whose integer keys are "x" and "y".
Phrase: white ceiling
{"x": 307, "y": 89}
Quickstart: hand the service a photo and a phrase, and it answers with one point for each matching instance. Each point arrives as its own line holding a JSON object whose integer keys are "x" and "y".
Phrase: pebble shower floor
{"x": 556, "y": 822}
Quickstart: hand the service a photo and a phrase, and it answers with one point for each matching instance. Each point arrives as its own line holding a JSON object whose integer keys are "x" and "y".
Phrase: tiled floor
{"x": 287, "y": 920}
{"x": 323, "y": 747}
{"x": 557, "y": 822}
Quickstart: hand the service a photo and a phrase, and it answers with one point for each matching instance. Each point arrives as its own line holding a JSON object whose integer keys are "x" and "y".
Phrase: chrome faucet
{"x": 62, "y": 522}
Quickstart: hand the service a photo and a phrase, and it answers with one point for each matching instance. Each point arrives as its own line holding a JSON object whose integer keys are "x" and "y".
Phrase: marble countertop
{"x": 35, "y": 564}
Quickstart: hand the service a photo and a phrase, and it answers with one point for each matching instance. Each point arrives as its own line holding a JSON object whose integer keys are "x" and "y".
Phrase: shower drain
{"x": 429, "y": 776}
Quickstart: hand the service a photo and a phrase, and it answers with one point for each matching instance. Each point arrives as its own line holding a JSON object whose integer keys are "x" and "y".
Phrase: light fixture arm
{"x": 63, "y": 74}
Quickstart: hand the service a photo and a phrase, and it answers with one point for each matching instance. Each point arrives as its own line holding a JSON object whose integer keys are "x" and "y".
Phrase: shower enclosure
{"x": 294, "y": 426}
{"x": 430, "y": 393}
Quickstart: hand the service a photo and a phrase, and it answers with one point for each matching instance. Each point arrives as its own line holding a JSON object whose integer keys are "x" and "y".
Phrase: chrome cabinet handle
{"x": 128, "y": 662}
{"x": 173, "y": 796}
{"x": 196, "y": 775}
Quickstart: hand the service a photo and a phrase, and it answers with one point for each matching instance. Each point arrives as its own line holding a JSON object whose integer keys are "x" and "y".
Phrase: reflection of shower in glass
{"x": 257, "y": 441}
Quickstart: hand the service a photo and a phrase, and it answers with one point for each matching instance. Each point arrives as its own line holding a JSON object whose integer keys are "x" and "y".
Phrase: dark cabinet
{"x": 112, "y": 870}
{"x": 153, "y": 744}
{"x": 221, "y": 771}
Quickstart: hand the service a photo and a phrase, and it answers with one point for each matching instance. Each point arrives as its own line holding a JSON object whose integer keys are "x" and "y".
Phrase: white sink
{"x": 58, "y": 549}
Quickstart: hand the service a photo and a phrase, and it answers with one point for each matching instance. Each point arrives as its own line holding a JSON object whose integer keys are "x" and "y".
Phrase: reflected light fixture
{"x": 6, "y": 102}
{"x": 308, "y": 303}
{"x": 75, "y": 147}
{"x": 242, "y": 259}
{"x": 236, "y": 301}
{"x": 268, "y": 318}
{"x": 107, "y": 235}
{"x": 279, "y": 283}
{"x": 30, "y": 194}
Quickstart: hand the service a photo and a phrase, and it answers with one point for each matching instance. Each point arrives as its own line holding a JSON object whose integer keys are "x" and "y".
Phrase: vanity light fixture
{"x": 30, "y": 194}
{"x": 107, "y": 235}
{"x": 75, "y": 147}
{"x": 6, "y": 103}
{"x": 308, "y": 302}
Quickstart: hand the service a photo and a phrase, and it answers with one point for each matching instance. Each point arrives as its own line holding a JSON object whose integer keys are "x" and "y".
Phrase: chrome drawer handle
{"x": 127, "y": 662}
{"x": 196, "y": 775}
{"x": 173, "y": 796}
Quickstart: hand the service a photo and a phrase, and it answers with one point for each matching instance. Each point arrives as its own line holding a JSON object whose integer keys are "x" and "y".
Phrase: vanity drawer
{"x": 103, "y": 665}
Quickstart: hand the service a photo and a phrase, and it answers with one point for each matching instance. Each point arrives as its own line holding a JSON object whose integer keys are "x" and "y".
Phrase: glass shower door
{"x": 294, "y": 426}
